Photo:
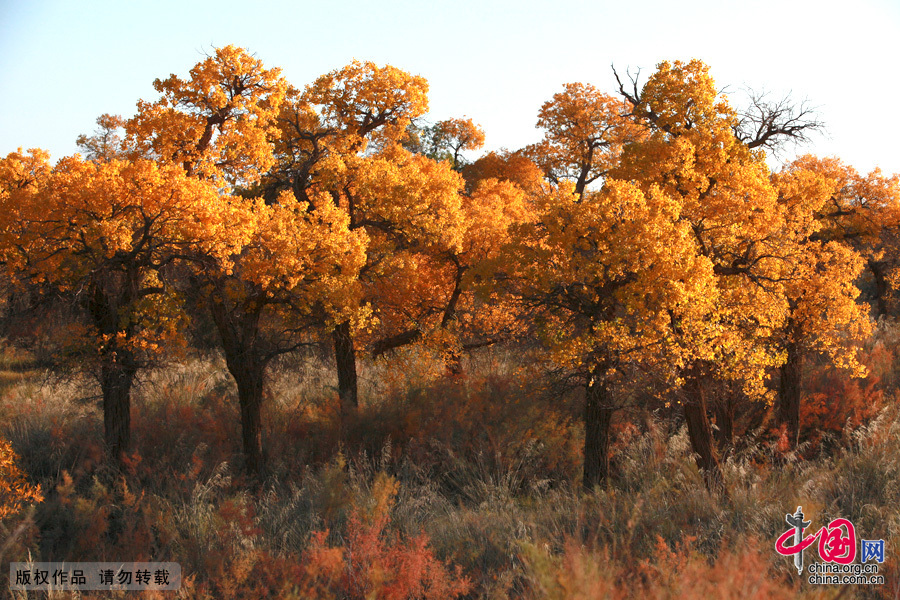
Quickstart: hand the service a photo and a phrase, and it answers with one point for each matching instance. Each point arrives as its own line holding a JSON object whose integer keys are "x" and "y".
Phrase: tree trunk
{"x": 452, "y": 356}
{"x": 116, "y": 381}
{"x": 345, "y": 357}
{"x": 788, "y": 412}
{"x": 246, "y": 361}
{"x": 881, "y": 286}
{"x": 250, "y": 380}
{"x": 700, "y": 434}
{"x": 597, "y": 420}
{"x": 109, "y": 298}
{"x": 725, "y": 420}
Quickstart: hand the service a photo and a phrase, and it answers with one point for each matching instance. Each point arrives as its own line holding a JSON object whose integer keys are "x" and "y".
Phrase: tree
{"x": 102, "y": 235}
{"x": 504, "y": 165}
{"x": 299, "y": 261}
{"x": 585, "y": 131}
{"x": 824, "y": 315}
{"x": 732, "y": 211}
{"x": 341, "y": 136}
{"x": 410, "y": 208}
{"x": 861, "y": 212}
{"x": 217, "y": 124}
{"x": 614, "y": 277}
{"x": 441, "y": 306}
{"x": 445, "y": 140}
{"x": 106, "y": 144}
{"x": 297, "y": 271}
{"x": 770, "y": 124}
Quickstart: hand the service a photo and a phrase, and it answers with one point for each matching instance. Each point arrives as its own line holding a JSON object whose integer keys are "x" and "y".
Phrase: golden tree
{"x": 446, "y": 140}
{"x": 781, "y": 290}
{"x": 504, "y": 165}
{"x": 218, "y": 123}
{"x": 836, "y": 216}
{"x": 340, "y": 140}
{"x": 102, "y": 234}
{"x": 298, "y": 261}
{"x": 297, "y": 271}
{"x": 615, "y": 278}
{"x": 731, "y": 209}
{"x": 862, "y": 212}
{"x": 105, "y": 144}
{"x": 585, "y": 132}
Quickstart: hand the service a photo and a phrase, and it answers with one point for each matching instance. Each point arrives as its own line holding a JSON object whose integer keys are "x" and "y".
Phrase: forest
{"x": 302, "y": 342}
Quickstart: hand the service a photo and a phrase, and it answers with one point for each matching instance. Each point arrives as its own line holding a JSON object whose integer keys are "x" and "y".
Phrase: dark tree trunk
{"x": 384, "y": 345}
{"x": 725, "y": 420}
{"x": 250, "y": 378}
{"x": 700, "y": 434}
{"x": 116, "y": 382}
{"x": 597, "y": 419}
{"x": 111, "y": 296}
{"x": 345, "y": 357}
{"x": 788, "y": 411}
{"x": 239, "y": 329}
{"x": 453, "y": 356}
{"x": 881, "y": 286}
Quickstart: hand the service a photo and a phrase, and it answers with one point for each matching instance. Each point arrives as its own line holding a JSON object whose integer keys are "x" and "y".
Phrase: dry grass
{"x": 481, "y": 473}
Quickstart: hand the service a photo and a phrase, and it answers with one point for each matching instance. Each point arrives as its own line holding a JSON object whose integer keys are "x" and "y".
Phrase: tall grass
{"x": 468, "y": 486}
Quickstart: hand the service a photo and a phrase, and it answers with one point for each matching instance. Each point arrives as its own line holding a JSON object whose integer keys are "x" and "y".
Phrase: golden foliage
{"x": 585, "y": 133}
{"x": 218, "y": 123}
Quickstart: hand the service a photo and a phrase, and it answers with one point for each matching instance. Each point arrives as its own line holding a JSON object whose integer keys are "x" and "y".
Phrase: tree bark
{"x": 111, "y": 295}
{"x": 250, "y": 379}
{"x": 881, "y": 286}
{"x": 116, "y": 382}
{"x": 345, "y": 357}
{"x": 788, "y": 411}
{"x": 700, "y": 434}
{"x": 452, "y": 355}
{"x": 246, "y": 361}
{"x": 597, "y": 419}
{"x": 725, "y": 420}
{"x": 384, "y": 345}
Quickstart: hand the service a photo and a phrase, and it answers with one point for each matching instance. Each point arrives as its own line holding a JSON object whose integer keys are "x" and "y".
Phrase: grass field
{"x": 443, "y": 487}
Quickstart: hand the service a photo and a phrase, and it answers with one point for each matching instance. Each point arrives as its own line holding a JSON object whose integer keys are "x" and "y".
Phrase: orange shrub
{"x": 833, "y": 400}
{"x": 15, "y": 491}
{"x": 372, "y": 561}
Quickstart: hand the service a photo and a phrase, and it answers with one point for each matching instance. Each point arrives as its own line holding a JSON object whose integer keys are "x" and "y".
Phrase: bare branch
{"x": 633, "y": 97}
{"x": 771, "y": 124}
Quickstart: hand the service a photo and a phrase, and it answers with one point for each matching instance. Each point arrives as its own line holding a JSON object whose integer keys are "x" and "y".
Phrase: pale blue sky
{"x": 64, "y": 63}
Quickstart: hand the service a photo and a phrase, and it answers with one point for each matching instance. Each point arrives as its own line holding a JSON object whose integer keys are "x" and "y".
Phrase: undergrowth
{"x": 464, "y": 487}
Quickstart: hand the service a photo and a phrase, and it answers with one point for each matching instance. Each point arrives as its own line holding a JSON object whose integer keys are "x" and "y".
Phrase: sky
{"x": 62, "y": 64}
